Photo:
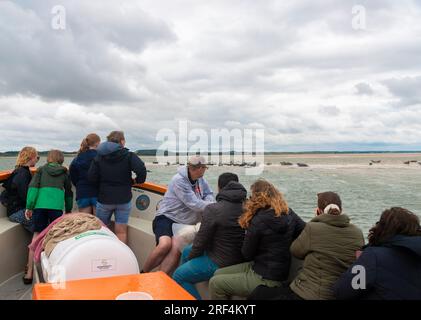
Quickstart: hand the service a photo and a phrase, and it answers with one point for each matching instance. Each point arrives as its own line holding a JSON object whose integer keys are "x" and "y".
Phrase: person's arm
{"x": 364, "y": 271}
{"x": 74, "y": 173}
{"x": 186, "y": 194}
{"x": 138, "y": 167}
{"x": 251, "y": 241}
{"x": 93, "y": 172}
{"x": 33, "y": 189}
{"x": 68, "y": 194}
{"x": 205, "y": 234}
{"x": 207, "y": 192}
{"x": 301, "y": 246}
{"x": 21, "y": 184}
{"x": 299, "y": 225}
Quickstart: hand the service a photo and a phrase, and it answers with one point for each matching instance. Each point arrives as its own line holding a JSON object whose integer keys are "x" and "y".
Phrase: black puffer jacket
{"x": 18, "y": 189}
{"x": 268, "y": 240}
{"x": 220, "y": 235}
{"x": 111, "y": 171}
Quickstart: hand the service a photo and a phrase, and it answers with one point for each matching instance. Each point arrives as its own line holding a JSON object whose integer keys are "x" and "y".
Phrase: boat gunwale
{"x": 149, "y": 186}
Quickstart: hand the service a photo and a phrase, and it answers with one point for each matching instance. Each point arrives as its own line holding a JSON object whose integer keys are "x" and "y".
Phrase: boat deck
{"x": 15, "y": 289}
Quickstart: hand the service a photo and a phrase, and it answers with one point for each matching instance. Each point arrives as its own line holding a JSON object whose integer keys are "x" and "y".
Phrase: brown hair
{"x": 90, "y": 140}
{"x": 263, "y": 195}
{"x": 25, "y": 155}
{"x": 116, "y": 136}
{"x": 392, "y": 222}
{"x": 326, "y": 198}
{"x": 55, "y": 156}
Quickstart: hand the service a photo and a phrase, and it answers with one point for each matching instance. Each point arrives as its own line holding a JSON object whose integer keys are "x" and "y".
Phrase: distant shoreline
{"x": 269, "y": 153}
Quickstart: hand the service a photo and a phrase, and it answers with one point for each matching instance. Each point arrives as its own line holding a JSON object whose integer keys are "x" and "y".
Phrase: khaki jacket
{"x": 327, "y": 244}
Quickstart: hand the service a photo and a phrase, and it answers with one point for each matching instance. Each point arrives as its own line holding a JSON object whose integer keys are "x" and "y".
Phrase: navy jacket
{"x": 267, "y": 242}
{"x": 79, "y": 174}
{"x": 393, "y": 272}
{"x": 112, "y": 170}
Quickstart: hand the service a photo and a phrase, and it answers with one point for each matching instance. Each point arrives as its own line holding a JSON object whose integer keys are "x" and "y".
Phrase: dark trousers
{"x": 43, "y": 217}
{"x": 283, "y": 292}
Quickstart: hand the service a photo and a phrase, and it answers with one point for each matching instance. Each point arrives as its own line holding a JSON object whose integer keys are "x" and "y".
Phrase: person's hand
{"x": 28, "y": 214}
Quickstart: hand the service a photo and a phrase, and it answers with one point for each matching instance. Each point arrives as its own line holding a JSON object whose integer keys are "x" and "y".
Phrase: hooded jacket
{"x": 79, "y": 174}
{"x": 220, "y": 235}
{"x": 111, "y": 171}
{"x": 50, "y": 188}
{"x": 267, "y": 242}
{"x": 184, "y": 202}
{"x": 392, "y": 272}
{"x": 327, "y": 244}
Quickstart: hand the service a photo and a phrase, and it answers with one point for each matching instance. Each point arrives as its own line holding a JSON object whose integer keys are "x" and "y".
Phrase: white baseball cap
{"x": 197, "y": 160}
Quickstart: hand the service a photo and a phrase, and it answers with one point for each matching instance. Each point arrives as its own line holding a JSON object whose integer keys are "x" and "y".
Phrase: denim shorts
{"x": 86, "y": 202}
{"x": 19, "y": 217}
{"x": 121, "y": 212}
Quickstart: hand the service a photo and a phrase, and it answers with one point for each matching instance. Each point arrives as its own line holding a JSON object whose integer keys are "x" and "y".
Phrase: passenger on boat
{"x": 391, "y": 261}
{"x": 86, "y": 191}
{"x": 328, "y": 245}
{"x": 220, "y": 238}
{"x": 271, "y": 226}
{"x": 50, "y": 191}
{"x": 187, "y": 196}
{"x": 17, "y": 189}
{"x": 111, "y": 170}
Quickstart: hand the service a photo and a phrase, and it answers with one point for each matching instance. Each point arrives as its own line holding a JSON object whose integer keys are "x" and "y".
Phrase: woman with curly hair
{"x": 270, "y": 226}
{"x": 18, "y": 185}
{"x": 389, "y": 268}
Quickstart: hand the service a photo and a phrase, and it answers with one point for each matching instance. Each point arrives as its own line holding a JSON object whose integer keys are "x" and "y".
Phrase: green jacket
{"x": 327, "y": 244}
{"x": 50, "y": 188}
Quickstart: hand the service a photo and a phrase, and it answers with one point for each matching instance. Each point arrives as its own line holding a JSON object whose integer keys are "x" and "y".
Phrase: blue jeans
{"x": 19, "y": 217}
{"x": 193, "y": 271}
{"x": 121, "y": 212}
{"x": 86, "y": 202}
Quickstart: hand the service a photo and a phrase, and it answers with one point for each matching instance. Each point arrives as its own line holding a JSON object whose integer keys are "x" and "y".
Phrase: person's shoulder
{"x": 214, "y": 208}
{"x": 211, "y": 211}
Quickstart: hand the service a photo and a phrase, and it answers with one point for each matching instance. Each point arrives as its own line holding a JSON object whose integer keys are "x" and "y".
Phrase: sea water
{"x": 366, "y": 190}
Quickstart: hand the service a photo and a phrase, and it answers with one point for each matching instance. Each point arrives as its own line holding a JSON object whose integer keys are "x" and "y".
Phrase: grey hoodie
{"x": 183, "y": 202}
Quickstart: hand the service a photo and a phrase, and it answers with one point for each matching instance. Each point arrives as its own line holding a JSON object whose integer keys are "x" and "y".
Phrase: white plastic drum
{"x": 134, "y": 295}
{"x": 92, "y": 254}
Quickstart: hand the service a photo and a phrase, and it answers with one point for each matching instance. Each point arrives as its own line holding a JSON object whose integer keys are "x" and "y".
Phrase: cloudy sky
{"x": 300, "y": 70}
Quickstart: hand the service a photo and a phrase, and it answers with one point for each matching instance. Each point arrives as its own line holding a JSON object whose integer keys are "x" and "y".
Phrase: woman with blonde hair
{"x": 86, "y": 191}
{"x": 271, "y": 226}
{"x": 17, "y": 187}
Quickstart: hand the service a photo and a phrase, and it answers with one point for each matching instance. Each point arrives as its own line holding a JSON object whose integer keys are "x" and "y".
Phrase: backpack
{"x": 5, "y": 196}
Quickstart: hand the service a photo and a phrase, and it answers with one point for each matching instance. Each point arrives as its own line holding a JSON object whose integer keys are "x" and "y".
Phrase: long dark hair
{"x": 392, "y": 222}
{"x": 326, "y": 198}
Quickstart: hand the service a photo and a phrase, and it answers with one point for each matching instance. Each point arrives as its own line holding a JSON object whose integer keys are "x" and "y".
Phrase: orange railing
{"x": 149, "y": 186}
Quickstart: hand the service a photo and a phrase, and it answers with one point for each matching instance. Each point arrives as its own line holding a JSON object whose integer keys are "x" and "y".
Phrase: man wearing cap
{"x": 187, "y": 196}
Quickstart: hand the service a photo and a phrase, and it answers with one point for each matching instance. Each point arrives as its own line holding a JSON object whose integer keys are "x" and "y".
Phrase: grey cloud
{"x": 80, "y": 63}
{"x": 364, "y": 89}
{"x": 330, "y": 111}
{"x": 407, "y": 89}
